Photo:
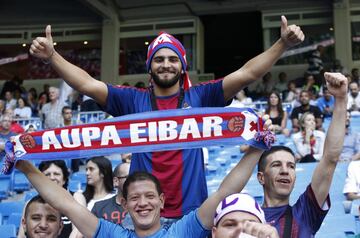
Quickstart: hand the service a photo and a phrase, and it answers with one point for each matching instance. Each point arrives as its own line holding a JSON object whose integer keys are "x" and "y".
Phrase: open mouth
{"x": 283, "y": 181}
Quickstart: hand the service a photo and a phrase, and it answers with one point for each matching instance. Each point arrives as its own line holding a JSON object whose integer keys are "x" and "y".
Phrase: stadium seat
{"x": 20, "y": 182}
{"x": 8, "y": 231}
{"x": 75, "y": 185}
{"x": 80, "y": 176}
{"x": 6, "y": 208}
{"x": 5, "y": 185}
{"x": 15, "y": 219}
{"x": 29, "y": 195}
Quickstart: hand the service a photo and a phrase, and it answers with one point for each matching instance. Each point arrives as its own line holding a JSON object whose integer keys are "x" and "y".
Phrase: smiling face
{"x": 144, "y": 204}
{"x": 278, "y": 177}
{"x": 232, "y": 224}
{"x": 165, "y": 68}
{"x": 42, "y": 221}
{"x": 54, "y": 173}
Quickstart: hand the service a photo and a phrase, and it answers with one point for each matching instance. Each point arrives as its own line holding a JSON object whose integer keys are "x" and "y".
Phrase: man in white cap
{"x": 239, "y": 214}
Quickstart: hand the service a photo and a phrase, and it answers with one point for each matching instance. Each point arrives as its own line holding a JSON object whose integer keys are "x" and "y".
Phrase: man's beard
{"x": 165, "y": 83}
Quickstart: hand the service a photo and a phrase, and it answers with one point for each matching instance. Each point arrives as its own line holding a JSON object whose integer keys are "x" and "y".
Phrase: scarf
{"x": 142, "y": 132}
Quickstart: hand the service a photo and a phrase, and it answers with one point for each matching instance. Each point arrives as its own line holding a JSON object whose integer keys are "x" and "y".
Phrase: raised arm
{"x": 43, "y": 48}
{"x": 261, "y": 64}
{"x": 60, "y": 199}
{"x": 234, "y": 182}
{"x": 323, "y": 174}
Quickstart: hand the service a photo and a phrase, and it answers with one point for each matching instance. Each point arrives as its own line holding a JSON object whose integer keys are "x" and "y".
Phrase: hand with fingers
{"x": 42, "y": 47}
{"x": 291, "y": 35}
{"x": 337, "y": 84}
{"x": 260, "y": 230}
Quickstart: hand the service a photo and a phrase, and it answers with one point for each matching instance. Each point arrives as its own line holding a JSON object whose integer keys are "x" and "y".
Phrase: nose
{"x": 142, "y": 201}
{"x": 284, "y": 169}
{"x": 52, "y": 177}
{"x": 166, "y": 63}
{"x": 43, "y": 223}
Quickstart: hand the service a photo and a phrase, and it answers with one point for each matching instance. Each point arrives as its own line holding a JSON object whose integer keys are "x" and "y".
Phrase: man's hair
{"x": 140, "y": 176}
{"x": 266, "y": 153}
{"x": 44, "y": 165}
{"x": 35, "y": 199}
{"x": 65, "y": 108}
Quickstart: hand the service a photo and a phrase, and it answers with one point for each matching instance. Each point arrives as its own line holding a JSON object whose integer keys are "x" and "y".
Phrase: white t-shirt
{"x": 352, "y": 182}
{"x": 24, "y": 112}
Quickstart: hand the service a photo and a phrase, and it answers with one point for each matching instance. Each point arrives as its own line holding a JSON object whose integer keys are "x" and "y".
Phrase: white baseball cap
{"x": 239, "y": 202}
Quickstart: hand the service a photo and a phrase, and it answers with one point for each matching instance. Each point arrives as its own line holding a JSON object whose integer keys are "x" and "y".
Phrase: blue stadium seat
{"x": 20, "y": 182}
{"x": 15, "y": 219}
{"x": 75, "y": 185}
{"x": 29, "y": 195}
{"x": 80, "y": 176}
{"x": 5, "y": 186}
{"x": 8, "y": 231}
{"x": 6, "y": 208}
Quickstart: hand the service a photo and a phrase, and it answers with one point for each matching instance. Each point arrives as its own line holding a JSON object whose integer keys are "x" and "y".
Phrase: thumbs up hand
{"x": 291, "y": 35}
{"x": 42, "y": 47}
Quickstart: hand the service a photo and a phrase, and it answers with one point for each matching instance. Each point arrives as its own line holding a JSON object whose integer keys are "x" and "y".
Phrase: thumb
{"x": 283, "y": 23}
{"x": 48, "y": 32}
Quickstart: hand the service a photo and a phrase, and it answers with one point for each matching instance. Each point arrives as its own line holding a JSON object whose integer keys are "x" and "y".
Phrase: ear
{"x": 123, "y": 203}
{"x": 260, "y": 177}
{"x": 23, "y": 223}
{"x": 61, "y": 226}
{"x": 213, "y": 232}
{"x": 162, "y": 200}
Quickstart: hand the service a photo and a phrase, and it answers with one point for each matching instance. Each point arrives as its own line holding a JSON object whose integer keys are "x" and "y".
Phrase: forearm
{"x": 77, "y": 78}
{"x": 335, "y": 135}
{"x": 55, "y": 195}
{"x": 236, "y": 180}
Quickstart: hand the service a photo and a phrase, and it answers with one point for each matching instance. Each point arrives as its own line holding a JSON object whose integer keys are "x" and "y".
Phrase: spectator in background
{"x": 15, "y": 126}
{"x": 46, "y": 88}
{"x": 23, "y": 110}
{"x": 241, "y": 100}
{"x": 316, "y": 63}
{"x": 140, "y": 84}
{"x": 281, "y": 86}
{"x": 99, "y": 184}
{"x": 2, "y": 107}
{"x": 111, "y": 209}
{"x": 11, "y": 85}
{"x": 310, "y": 84}
{"x": 5, "y": 133}
{"x": 51, "y": 111}
{"x": 43, "y": 99}
{"x": 355, "y": 75}
{"x": 305, "y": 107}
{"x": 30, "y": 128}
{"x": 41, "y": 219}
{"x": 10, "y": 101}
{"x": 126, "y": 157}
{"x": 309, "y": 142}
{"x": 240, "y": 213}
{"x": 351, "y": 147}
{"x": 353, "y": 104}
{"x": 67, "y": 115}
{"x": 277, "y": 115}
{"x": 264, "y": 88}
{"x": 326, "y": 103}
{"x": 292, "y": 93}
{"x": 32, "y": 102}
{"x": 352, "y": 183}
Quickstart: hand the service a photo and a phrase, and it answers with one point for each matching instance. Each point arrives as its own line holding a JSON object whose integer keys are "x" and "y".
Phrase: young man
{"x": 240, "y": 213}
{"x": 41, "y": 219}
{"x": 276, "y": 172}
{"x": 143, "y": 199}
{"x": 111, "y": 209}
{"x": 305, "y": 107}
{"x": 180, "y": 172}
